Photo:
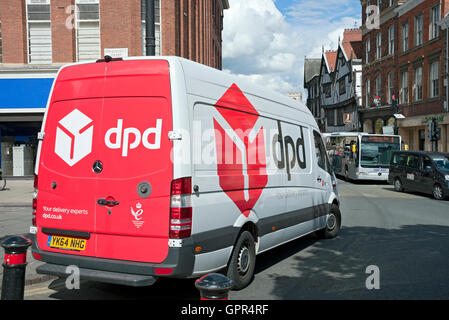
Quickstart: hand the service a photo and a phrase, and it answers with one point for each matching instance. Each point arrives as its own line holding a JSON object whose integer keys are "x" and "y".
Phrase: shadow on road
{"x": 413, "y": 263}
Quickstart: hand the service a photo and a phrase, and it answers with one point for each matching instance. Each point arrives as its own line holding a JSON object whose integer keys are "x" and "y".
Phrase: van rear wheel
{"x": 398, "y": 185}
{"x": 243, "y": 261}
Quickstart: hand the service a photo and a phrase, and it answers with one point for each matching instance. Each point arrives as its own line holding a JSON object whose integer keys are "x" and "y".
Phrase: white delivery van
{"x": 162, "y": 167}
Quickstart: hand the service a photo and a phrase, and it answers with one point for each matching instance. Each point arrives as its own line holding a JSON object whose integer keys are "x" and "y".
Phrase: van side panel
{"x": 247, "y": 161}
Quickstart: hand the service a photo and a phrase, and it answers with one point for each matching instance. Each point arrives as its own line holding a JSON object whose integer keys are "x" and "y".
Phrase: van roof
{"x": 199, "y": 72}
{"x": 350, "y": 134}
{"x": 428, "y": 153}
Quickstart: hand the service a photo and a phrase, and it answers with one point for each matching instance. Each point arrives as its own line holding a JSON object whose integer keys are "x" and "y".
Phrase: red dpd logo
{"x": 242, "y": 173}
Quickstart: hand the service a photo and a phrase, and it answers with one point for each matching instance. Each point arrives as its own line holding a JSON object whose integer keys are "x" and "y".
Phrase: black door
{"x": 427, "y": 174}
{"x": 412, "y": 173}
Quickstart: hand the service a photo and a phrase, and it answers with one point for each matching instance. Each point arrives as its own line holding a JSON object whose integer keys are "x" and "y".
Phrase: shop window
{"x": 422, "y": 139}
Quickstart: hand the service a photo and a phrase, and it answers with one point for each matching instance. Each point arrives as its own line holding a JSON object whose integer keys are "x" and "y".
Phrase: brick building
{"x": 403, "y": 58}
{"x": 380, "y": 59}
{"x": 421, "y": 62}
{"x": 37, "y": 37}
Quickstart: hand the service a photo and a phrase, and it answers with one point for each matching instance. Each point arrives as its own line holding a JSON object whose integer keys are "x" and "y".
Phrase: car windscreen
{"x": 376, "y": 151}
{"x": 441, "y": 162}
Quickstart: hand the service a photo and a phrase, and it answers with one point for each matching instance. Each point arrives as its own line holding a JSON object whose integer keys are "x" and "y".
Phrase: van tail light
{"x": 33, "y": 221}
{"x": 180, "y": 225}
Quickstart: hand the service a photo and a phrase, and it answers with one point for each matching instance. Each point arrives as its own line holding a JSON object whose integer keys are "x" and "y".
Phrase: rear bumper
{"x": 134, "y": 280}
{"x": 179, "y": 263}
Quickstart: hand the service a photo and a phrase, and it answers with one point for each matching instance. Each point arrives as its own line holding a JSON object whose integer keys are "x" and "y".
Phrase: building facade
{"x": 340, "y": 82}
{"x": 37, "y": 37}
{"x": 380, "y": 60}
{"x": 421, "y": 63}
{"x": 312, "y": 85}
{"x": 403, "y": 64}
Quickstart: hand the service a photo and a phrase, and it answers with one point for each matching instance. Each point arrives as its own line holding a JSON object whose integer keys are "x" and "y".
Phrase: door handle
{"x": 318, "y": 179}
{"x": 108, "y": 203}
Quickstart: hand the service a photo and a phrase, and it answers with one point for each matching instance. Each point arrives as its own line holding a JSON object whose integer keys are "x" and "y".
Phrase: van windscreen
{"x": 441, "y": 162}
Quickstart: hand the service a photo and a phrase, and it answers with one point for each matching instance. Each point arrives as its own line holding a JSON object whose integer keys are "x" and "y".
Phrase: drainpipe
{"x": 150, "y": 38}
{"x": 446, "y": 107}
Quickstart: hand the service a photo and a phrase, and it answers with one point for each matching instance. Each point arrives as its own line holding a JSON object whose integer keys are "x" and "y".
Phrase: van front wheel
{"x": 438, "y": 192}
{"x": 243, "y": 261}
{"x": 333, "y": 224}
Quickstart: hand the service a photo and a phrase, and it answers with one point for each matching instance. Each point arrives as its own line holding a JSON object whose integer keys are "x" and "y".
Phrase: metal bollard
{"x": 214, "y": 286}
{"x": 13, "y": 284}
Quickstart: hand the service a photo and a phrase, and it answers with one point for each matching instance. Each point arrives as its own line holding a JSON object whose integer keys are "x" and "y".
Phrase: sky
{"x": 265, "y": 41}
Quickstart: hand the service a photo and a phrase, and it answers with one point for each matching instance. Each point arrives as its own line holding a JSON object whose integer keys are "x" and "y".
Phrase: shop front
{"x": 23, "y": 99}
{"x": 414, "y": 132}
{"x": 378, "y": 120}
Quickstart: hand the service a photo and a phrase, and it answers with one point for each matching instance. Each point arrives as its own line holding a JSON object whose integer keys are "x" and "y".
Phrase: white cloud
{"x": 268, "y": 48}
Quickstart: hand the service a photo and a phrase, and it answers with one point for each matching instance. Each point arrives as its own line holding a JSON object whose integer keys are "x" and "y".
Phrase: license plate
{"x": 66, "y": 243}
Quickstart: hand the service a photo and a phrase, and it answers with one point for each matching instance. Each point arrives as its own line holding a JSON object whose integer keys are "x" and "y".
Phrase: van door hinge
{"x": 40, "y": 135}
{"x": 174, "y": 135}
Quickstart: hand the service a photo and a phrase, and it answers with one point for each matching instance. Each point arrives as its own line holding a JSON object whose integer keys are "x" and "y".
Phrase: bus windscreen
{"x": 376, "y": 151}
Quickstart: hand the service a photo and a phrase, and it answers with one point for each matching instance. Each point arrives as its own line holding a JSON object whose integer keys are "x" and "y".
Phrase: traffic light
{"x": 437, "y": 134}
{"x": 431, "y": 130}
{"x": 434, "y": 130}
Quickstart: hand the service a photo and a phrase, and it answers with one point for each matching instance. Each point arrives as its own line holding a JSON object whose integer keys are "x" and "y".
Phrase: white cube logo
{"x": 74, "y": 137}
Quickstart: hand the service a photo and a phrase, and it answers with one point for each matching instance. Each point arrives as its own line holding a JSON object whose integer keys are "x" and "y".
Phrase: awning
{"x": 24, "y": 94}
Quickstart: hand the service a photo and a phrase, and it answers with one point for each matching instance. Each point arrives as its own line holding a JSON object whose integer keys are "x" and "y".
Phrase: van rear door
{"x": 124, "y": 179}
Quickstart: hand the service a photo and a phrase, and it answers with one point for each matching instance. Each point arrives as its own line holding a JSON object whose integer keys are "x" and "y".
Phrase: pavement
{"x": 16, "y": 198}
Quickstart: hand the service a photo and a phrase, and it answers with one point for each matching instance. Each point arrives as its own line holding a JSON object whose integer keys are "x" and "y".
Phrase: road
{"x": 405, "y": 236}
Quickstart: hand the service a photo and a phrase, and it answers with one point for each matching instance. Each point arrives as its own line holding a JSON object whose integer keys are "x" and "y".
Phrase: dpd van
{"x": 162, "y": 167}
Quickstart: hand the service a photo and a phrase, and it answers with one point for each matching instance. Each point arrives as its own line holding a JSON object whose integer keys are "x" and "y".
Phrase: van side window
{"x": 413, "y": 161}
{"x": 320, "y": 151}
{"x": 426, "y": 163}
{"x": 399, "y": 159}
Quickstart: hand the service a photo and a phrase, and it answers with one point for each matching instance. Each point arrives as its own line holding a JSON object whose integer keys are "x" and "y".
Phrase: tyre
{"x": 243, "y": 261}
{"x": 438, "y": 192}
{"x": 398, "y": 185}
{"x": 333, "y": 224}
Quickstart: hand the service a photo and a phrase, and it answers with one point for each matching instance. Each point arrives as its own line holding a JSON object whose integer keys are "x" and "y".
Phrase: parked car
{"x": 420, "y": 171}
